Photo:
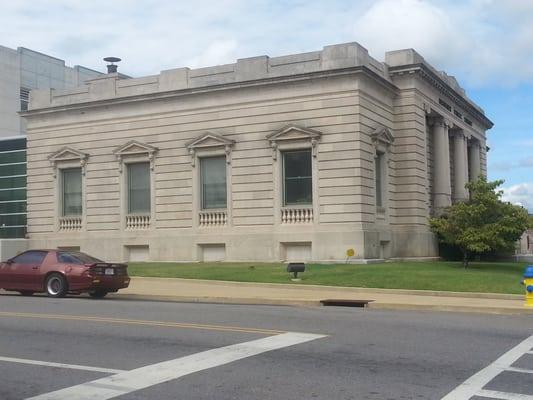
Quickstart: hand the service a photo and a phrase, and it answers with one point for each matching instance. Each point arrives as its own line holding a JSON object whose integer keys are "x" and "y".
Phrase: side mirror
{"x": 10, "y": 261}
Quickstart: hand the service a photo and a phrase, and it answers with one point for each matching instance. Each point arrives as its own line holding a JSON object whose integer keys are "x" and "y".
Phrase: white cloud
{"x": 521, "y": 194}
{"x": 485, "y": 42}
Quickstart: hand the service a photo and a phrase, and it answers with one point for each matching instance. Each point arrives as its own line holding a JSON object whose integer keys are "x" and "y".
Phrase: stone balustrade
{"x": 70, "y": 223}
{"x": 137, "y": 222}
{"x": 296, "y": 215}
{"x": 213, "y": 218}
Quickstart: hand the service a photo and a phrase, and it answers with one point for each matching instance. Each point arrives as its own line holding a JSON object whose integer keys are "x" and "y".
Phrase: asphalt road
{"x": 153, "y": 350}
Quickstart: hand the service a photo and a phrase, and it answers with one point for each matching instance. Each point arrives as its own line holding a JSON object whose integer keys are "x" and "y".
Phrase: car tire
{"x": 56, "y": 285}
{"x": 98, "y": 294}
{"x": 26, "y": 292}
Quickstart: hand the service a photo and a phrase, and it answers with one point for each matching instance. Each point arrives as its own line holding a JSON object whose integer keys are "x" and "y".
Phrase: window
{"x": 24, "y": 99}
{"x": 213, "y": 182}
{"x": 297, "y": 178}
{"x": 30, "y": 257}
{"x": 76, "y": 258}
{"x": 139, "y": 188}
{"x": 379, "y": 179}
{"x": 71, "y": 191}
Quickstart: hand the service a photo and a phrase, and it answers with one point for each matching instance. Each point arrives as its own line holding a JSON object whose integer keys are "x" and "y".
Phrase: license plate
{"x": 109, "y": 271}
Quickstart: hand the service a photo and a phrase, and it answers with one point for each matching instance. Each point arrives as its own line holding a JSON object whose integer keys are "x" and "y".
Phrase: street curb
{"x": 217, "y": 300}
{"x": 296, "y": 286}
{"x": 316, "y": 303}
{"x": 449, "y": 308}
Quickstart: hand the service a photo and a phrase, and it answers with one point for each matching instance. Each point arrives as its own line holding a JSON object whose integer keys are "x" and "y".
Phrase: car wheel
{"x": 26, "y": 292}
{"x": 98, "y": 294}
{"x": 56, "y": 285}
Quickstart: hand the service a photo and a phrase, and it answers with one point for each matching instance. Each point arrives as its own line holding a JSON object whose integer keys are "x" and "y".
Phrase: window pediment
{"x": 292, "y": 134}
{"x": 68, "y": 154}
{"x": 133, "y": 148}
{"x": 209, "y": 141}
{"x": 382, "y": 136}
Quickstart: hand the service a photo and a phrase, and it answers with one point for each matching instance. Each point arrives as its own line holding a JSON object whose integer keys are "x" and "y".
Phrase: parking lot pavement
{"x": 131, "y": 350}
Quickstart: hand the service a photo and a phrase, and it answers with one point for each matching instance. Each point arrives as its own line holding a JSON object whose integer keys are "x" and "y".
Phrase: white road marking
{"x": 141, "y": 378}
{"x": 493, "y": 394}
{"x": 522, "y": 370}
{"x": 61, "y": 365}
{"x": 474, "y": 385}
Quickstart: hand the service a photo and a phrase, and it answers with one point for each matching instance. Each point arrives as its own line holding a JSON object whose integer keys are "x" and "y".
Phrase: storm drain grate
{"x": 345, "y": 303}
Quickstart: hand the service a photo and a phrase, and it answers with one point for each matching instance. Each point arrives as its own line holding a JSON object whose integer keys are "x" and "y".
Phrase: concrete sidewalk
{"x": 205, "y": 291}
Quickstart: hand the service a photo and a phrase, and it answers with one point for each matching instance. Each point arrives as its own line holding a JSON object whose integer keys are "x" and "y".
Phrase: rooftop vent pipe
{"x": 112, "y": 68}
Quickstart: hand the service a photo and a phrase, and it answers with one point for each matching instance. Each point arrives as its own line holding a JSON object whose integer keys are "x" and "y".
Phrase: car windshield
{"x": 81, "y": 258}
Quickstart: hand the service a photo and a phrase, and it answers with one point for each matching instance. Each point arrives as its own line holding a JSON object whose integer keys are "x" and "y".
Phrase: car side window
{"x": 30, "y": 257}
{"x": 66, "y": 258}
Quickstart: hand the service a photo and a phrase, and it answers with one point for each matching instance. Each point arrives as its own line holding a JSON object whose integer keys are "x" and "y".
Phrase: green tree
{"x": 482, "y": 223}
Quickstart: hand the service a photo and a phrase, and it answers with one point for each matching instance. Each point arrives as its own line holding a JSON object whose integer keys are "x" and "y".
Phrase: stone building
{"x": 294, "y": 157}
{"x": 23, "y": 70}
{"x": 524, "y": 247}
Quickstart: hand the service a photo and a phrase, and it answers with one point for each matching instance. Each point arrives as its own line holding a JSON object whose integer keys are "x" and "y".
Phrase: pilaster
{"x": 460, "y": 177}
{"x": 442, "y": 189}
{"x": 474, "y": 159}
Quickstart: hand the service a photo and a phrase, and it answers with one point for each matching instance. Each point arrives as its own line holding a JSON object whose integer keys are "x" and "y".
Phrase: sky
{"x": 486, "y": 44}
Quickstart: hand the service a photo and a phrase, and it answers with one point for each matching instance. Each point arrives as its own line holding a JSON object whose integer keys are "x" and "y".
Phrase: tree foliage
{"x": 483, "y": 223}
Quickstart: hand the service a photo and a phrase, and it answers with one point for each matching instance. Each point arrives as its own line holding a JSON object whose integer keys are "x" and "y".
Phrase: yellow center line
{"x": 167, "y": 324}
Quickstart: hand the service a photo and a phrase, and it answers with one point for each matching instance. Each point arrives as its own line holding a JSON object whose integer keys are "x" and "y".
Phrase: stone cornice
{"x": 437, "y": 82}
{"x": 84, "y": 105}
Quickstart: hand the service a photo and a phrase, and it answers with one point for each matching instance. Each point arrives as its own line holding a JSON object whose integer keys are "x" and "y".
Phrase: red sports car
{"x": 58, "y": 272}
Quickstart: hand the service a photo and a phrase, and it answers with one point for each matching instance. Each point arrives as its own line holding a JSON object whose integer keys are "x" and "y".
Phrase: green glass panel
{"x": 19, "y": 194}
{"x": 12, "y": 220}
{"x": 15, "y": 182}
{"x": 10, "y": 233}
{"x": 14, "y": 169}
{"x": 18, "y": 156}
{"x": 10, "y": 208}
{"x": 13, "y": 144}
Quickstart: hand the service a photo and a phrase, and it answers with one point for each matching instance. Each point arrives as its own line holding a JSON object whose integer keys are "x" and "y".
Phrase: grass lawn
{"x": 447, "y": 276}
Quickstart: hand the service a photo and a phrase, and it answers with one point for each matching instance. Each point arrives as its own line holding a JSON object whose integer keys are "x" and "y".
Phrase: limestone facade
{"x": 294, "y": 157}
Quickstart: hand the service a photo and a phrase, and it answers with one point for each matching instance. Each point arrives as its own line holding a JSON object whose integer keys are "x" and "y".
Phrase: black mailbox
{"x": 295, "y": 268}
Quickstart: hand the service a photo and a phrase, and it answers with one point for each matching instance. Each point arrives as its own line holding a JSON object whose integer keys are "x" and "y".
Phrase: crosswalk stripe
{"x": 473, "y": 385}
{"x": 494, "y": 394}
{"x": 60, "y": 365}
{"x": 144, "y": 377}
{"x": 521, "y": 370}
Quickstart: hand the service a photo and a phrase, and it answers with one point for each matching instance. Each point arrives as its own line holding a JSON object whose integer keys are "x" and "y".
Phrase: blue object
{"x": 529, "y": 288}
{"x": 528, "y": 273}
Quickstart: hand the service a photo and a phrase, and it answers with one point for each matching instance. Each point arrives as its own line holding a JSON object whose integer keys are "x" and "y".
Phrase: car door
{"x": 25, "y": 271}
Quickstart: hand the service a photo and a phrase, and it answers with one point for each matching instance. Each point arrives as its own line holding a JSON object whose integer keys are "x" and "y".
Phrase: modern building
{"x": 21, "y": 71}
{"x": 295, "y": 157}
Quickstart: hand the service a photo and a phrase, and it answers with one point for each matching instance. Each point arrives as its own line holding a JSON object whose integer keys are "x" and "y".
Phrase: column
{"x": 460, "y": 171}
{"x": 442, "y": 189}
{"x": 474, "y": 159}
